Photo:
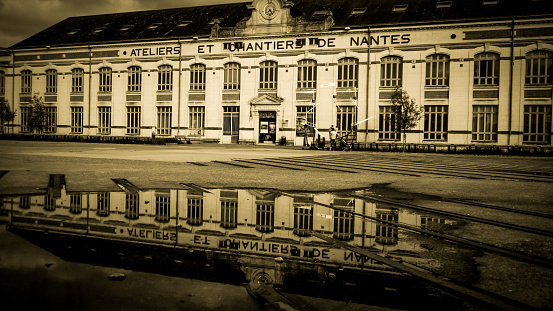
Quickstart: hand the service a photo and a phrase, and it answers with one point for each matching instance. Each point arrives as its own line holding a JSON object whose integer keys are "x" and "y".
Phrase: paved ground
{"x": 90, "y": 167}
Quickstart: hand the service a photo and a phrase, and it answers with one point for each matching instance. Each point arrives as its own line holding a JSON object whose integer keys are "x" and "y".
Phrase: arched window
{"x": 105, "y": 79}
{"x": 348, "y": 72}
{"x": 232, "y": 76}
{"x": 51, "y": 81}
{"x": 26, "y": 81}
{"x": 437, "y": 70}
{"x": 77, "y": 76}
{"x": 307, "y": 74}
{"x": 197, "y": 77}
{"x": 486, "y": 69}
{"x": 135, "y": 79}
{"x": 268, "y": 72}
{"x": 539, "y": 67}
{"x": 391, "y": 71}
{"x": 165, "y": 78}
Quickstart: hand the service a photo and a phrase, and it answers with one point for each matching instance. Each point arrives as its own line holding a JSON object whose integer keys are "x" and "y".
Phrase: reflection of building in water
{"x": 239, "y": 214}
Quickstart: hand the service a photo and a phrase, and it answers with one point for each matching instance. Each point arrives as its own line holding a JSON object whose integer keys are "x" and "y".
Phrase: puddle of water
{"x": 261, "y": 233}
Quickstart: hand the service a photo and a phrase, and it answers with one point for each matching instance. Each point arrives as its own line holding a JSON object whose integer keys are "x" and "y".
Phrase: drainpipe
{"x": 89, "y": 87}
{"x": 13, "y": 87}
{"x": 368, "y": 85}
{"x": 511, "y": 80}
{"x": 179, "y": 92}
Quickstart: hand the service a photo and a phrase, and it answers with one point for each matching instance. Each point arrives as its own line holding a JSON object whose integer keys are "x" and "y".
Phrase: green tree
{"x": 406, "y": 113}
{"x": 6, "y": 114}
{"x": 38, "y": 115}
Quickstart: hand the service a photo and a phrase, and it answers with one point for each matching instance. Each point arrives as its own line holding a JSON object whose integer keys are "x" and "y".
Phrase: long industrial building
{"x": 258, "y": 72}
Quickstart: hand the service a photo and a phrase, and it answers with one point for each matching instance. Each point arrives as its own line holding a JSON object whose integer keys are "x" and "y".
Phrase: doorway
{"x": 267, "y": 127}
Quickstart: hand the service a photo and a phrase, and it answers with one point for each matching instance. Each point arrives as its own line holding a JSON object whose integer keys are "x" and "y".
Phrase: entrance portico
{"x": 266, "y": 111}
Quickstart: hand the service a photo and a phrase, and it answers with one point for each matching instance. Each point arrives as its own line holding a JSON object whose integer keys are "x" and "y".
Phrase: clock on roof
{"x": 269, "y": 10}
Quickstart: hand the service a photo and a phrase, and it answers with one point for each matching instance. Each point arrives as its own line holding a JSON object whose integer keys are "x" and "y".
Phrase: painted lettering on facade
{"x": 150, "y": 234}
{"x": 159, "y": 51}
{"x": 380, "y": 40}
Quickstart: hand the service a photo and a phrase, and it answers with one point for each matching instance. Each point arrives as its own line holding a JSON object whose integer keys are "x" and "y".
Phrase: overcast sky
{"x": 20, "y": 19}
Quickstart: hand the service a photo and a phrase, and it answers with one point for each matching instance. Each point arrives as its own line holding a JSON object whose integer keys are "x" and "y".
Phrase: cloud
{"x": 20, "y": 19}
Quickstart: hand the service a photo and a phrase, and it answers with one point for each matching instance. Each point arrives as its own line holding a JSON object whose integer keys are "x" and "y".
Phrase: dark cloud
{"x": 20, "y": 19}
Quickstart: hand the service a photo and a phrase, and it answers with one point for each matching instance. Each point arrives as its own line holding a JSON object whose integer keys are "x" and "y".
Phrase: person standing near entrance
{"x": 332, "y": 133}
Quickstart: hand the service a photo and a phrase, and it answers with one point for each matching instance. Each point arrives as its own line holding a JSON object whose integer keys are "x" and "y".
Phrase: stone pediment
{"x": 266, "y": 100}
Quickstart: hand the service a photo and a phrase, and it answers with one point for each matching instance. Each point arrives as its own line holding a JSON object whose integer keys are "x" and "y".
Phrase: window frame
{"x": 307, "y": 74}
{"x": 541, "y": 115}
{"x": 542, "y": 62}
{"x": 348, "y": 72}
{"x": 387, "y": 124}
{"x": 232, "y": 76}
{"x": 104, "y": 120}
{"x": 391, "y": 71}
{"x": 51, "y": 81}
{"x": 436, "y": 122}
{"x": 134, "y": 79}
{"x": 105, "y": 76}
{"x": 77, "y": 80}
{"x": 133, "y": 115}
{"x": 26, "y": 81}
{"x": 437, "y": 73}
{"x": 197, "y": 77}
{"x": 268, "y": 75}
{"x": 485, "y": 119}
{"x": 486, "y": 69}
{"x": 164, "y": 120}
{"x": 165, "y": 78}
{"x": 77, "y": 113}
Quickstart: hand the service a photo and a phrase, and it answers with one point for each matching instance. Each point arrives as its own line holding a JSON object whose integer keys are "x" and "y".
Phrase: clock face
{"x": 269, "y": 11}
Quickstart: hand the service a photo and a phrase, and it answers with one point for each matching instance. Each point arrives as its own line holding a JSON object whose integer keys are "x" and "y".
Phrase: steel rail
{"x": 501, "y": 208}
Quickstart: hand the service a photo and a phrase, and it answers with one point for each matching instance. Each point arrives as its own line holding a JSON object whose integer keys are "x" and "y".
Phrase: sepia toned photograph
{"x": 276, "y": 155}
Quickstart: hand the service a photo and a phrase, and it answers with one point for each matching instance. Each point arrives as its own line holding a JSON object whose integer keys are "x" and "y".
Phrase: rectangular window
{"x": 486, "y": 69}
{"x": 103, "y": 204}
{"x": 105, "y": 79}
{"x": 385, "y": 233}
{"x": 307, "y": 74}
{"x": 51, "y": 120}
{"x": 77, "y": 120}
{"x": 75, "y": 204}
{"x": 77, "y": 78}
{"x": 51, "y": 81}
{"x": 135, "y": 79}
{"x": 131, "y": 206}
{"x": 391, "y": 71}
{"x": 305, "y": 115}
{"x": 539, "y": 67}
{"x": 162, "y": 208}
{"x": 268, "y": 72}
{"x": 197, "y": 119}
{"x": 348, "y": 72}
{"x": 232, "y": 76}
{"x": 165, "y": 78}
{"x": 265, "y": 216}
{"x": 346, "y": 116}
{"x": 537, "y": 124}
{"x": 303, "y": 219}
{"x": 133, "y": 120}
{"x": 484, "y": 123}
{"x": 197, "y": 77}
{"x": 195, "y": 211}
{"x": 164, "y": 116}
{"x": 229, "y": 213}
{"x": 437, "y": 70}
{"x": 104, "y": 120}
{"x": 49, "y": 203}
{"x": 435, "y": 122}
{"x": 25, "y": 115}
{"x": 26, "y": 82}
{"x": 231, "y": 120}
{"x": 387, "y": 124}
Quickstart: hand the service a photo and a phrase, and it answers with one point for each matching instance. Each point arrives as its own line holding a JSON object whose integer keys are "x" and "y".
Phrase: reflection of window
{"x": 435, "y": 122}
{"x": 77, "y": 120}
{"x": 49, "y": 203}
{"x": 51, "y": 123}
{"x": 268, "y": 73}
{"x": 229, "y": 213}
{"x": 484, "y": 123}
{"x": 162, "y": 208}
{"x": 231, "y": 120}
{"x": 77, "y": 76}
{"x": 307, "y": 74}
{"x": 195, "y": 211}
{"x": 385, "y": 233}
{"x": 131, "y": 206}
{"x": 303, "y": 219}
{"x": 428, "y": 221}
{"x": 165, "y": 78}
{"x": 104, "y": 120}
{"x": 25, "y": 202}
{"x": 103, "y": 204}
{"x": 265, "y": 216}
{"x": 133, "y": 120}
{"x": 387, "y": 124}
{"x": 486, "y": 69}
{"x": 305, "y": 115}
{"x": 51, "y": 81}
{"x": 75, "y": 204}
{"x": 197, "y": 77}
{"x": 343, "y": 225}
{"x": 197, "y": 119}
{"x": 537, "y": 124}
{"x": 135, "y": 79}
{"x": 437, "y": 70}
{"x": 391, "y": 71}
{"x": 539, "y": 67}
{"x": 164, "y": 120}
{"x": 232, "y": 76}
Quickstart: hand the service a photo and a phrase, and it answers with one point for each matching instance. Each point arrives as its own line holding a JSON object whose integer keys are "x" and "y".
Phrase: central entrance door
{"x": 267, "y": 126}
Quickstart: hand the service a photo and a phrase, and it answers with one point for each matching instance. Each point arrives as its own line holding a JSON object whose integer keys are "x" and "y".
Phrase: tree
{"x": 6, "y": 114}
{"x": 406, "y": 113}
{"x": 38, "y": 115}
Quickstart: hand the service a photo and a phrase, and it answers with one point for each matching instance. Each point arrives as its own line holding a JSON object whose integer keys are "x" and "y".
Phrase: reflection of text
{"x": 274, "y": 248}
{"x": 354, "y": 257}
{"x": 152, "y": 234}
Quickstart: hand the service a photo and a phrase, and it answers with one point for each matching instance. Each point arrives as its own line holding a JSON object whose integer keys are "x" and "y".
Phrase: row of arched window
{"x": 539, "y": 69}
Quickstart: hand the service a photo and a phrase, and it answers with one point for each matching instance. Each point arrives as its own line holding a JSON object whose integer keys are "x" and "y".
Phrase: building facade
{"x": 259, "y": 72}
